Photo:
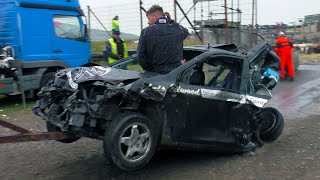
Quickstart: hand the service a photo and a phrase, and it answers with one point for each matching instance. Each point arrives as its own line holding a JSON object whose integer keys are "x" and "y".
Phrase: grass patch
{"x": 97, "y": 47}
{"x": 135, "y": 67}
{"x": 9, "y": 105}
{"x": 192, "y": 42}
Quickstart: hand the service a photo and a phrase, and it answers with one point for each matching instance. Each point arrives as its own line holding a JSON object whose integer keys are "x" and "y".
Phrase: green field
{"x": 13, "y": 104}
{"x": 98, "y": 46}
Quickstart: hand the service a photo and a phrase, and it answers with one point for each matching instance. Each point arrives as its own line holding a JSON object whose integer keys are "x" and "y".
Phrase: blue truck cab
{"x": 45, "y": 35}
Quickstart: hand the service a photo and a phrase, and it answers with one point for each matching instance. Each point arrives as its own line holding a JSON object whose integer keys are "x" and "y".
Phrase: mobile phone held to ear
{"x": 167, "y": 15}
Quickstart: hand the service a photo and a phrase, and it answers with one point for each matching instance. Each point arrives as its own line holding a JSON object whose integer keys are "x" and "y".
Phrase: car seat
{"x": 228, "y": 81}
{"x": 197, "y": 77}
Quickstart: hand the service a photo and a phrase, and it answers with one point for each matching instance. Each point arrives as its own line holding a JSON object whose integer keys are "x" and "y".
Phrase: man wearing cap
{"x": 160, "y": 47}
{"x": 284, "y": 51}
{"x": 116, "y": 48}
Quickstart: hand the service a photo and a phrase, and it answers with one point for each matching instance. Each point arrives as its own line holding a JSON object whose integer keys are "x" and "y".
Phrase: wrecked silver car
{"x": 215, "y": 102}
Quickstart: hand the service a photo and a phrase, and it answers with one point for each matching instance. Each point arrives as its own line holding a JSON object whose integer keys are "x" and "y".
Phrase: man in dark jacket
{"x": 160, "y": 47}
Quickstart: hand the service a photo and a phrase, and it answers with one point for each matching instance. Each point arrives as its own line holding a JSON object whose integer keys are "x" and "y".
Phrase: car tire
{"x": 130, "y": 141}
{"x": 52, "y": 128}
{"x": 272, "y": 124}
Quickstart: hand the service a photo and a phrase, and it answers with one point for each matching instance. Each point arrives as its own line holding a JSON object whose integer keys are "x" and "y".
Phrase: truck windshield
{"x": 68, "y": 27}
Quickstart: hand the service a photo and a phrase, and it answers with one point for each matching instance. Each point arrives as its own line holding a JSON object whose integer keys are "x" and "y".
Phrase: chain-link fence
{"x": 208, "y": 21}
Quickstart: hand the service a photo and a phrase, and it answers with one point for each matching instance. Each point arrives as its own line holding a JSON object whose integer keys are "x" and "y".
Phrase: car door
{"x": 69, "y": 43}
{"x": 207, "y": 116}
{"x": 35, "y": 34}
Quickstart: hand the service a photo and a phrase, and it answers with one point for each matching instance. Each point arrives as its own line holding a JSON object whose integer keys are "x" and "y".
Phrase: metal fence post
{"x": 89, "y": 23}
{"x": 226, "y": 22}
{"x": 175, "y": 10}
{"x": 140, "y": 9}
{"x": 252, "y": 40}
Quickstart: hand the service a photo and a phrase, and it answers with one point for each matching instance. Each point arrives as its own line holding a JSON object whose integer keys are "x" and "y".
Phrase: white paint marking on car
{"x": 223, "y": 95}
{"x": 189, "y": 91}
{"x": 233, "y": 97}
{"x": 71, "y": 83}
{"x": 259, "y": 102}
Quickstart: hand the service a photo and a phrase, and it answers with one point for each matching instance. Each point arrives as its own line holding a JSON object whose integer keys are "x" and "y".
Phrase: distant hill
{"x": 100, "y": 35}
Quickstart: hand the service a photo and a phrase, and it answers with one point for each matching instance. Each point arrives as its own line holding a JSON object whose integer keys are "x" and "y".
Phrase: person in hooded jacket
{"x": 284, "y": 50}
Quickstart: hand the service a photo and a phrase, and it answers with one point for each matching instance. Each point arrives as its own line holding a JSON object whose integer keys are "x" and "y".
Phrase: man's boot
{"x": 291, "y": 79}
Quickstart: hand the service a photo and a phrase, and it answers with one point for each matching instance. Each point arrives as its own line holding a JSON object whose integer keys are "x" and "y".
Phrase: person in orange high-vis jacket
{"x": 284, "y": 51}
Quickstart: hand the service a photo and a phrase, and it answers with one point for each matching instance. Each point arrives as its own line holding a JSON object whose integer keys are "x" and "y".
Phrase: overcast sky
{"x": 269, "y": 11}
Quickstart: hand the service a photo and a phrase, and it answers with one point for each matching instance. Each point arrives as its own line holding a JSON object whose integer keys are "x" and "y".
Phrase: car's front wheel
{"x": 130, "y": 141}
{"x": 272, "y": 124}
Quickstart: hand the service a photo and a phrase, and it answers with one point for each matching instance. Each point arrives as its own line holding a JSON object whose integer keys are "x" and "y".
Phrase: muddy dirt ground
{"x": 295, "y": 155}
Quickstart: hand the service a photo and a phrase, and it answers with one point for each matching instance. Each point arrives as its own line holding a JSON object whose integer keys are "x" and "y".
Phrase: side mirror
{"x": 85, "y": 32}
{"x": 85, "y": 29}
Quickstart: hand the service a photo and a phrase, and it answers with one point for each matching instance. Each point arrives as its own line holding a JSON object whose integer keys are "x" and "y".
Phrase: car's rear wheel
{"x": 130, "y": 141}
{"x": 272, "y": 124}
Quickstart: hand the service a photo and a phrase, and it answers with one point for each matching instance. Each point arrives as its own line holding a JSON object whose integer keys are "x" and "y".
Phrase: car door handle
{"x": 57, "y": 50}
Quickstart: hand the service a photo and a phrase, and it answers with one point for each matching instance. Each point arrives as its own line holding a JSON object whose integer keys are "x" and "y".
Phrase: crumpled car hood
{"x": 111, "y": 75}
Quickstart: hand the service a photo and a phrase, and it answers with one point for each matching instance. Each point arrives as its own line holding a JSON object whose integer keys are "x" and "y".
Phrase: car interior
{"x": 197, "y": 76}
{"x": 218, "y": 73}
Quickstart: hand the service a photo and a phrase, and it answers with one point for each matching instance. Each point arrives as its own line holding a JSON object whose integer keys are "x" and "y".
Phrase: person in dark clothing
{"x": 160, "y": 47}
{"x": 116, "y": 48}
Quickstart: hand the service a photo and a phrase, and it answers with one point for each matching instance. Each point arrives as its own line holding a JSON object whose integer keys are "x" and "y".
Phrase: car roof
{"x": 227, "y": 47}
{"x": 197, "y": 47}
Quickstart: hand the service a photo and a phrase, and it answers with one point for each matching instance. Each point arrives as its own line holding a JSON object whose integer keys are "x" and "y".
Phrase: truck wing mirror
{"x": 85, "y": 32}
{"x": 85, "y": 29}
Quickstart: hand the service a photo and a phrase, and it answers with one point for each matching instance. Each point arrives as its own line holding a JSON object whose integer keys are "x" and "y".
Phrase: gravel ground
{"x": 295, "y": 155}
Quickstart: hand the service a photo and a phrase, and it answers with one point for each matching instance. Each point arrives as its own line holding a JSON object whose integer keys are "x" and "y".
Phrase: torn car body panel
{"x": 97, "y": 73}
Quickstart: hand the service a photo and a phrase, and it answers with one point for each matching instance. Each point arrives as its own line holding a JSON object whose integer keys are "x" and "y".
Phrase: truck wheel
{"x": 272, "y": 124}
{"x": 130, "y": 141}
{"x": 46, "y": 78}
{"x": 55, "y": 109}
